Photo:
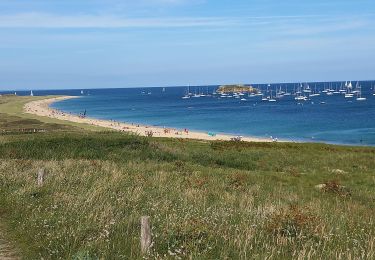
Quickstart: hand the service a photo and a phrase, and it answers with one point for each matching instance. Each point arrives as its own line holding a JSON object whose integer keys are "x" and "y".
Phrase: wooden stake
{"x": 145, "y": 235}
{"x": 40, "y": 177}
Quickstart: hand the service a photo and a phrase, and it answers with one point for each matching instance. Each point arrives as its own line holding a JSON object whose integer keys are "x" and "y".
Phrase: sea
{"x": 323, "y": 118}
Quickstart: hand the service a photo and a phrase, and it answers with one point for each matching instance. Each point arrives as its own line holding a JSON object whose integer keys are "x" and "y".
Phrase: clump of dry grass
{"x": 237, "y": 180}
{"x": 334, "y": 187}
{"x": 293, "y": 222}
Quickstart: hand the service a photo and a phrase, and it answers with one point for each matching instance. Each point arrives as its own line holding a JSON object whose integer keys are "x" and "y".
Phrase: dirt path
{"x": 7, "y": 252}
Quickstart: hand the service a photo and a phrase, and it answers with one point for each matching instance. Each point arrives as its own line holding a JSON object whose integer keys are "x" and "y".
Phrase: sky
{"x": 52, "y": 44}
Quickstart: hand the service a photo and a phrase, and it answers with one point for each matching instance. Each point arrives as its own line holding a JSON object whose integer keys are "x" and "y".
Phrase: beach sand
{"x": 42, "y": 108}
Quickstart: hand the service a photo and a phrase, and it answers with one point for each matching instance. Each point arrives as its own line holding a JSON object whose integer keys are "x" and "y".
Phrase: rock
{"x": 320, "y": 186}
{"x": 339, "y": 172}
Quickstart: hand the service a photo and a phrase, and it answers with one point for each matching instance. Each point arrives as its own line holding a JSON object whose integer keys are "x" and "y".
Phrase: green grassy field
{"x": 12, "y": 117}
{"x": 206, "y": 200}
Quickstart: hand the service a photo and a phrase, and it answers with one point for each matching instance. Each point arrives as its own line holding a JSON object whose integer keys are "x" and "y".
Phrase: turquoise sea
{"x": 329, "y": 118}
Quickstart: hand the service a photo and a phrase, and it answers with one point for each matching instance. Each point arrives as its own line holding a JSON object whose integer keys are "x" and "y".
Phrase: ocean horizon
{"x": 326, "y": 118}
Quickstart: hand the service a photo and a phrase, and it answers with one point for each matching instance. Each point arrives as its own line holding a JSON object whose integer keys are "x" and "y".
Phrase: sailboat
{"x": 359, "y": 95}
{"x": 336, "y": 90}
{"x": 299, "y": 95}
{"x": 81, "y": 92}
{"x": 299, "y": 89}
{"x": 271, "y": 98}
{"x": 325, "y": 89}
{"x": 307, "y": 89}
{"x": 357, "y": 88}
{"x": 208, "y": 94}
{"x": 286, "y": 93}
{"x": 31, "y": 93}
{"x": 300, "y": 98}
{"x": 349, "y": 93}
{"x": 251, "y": 95}
{"x": 350, "y": 86}
{"x": 197, "y": 95}
{"x": 315, "y": 93}
{"x": 342, "y": 89}
{"x": 187, "y": 94}
{"x": 280, "y": 93}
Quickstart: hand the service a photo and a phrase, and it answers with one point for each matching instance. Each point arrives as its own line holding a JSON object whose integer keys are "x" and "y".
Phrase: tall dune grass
{"x": 219, "y": 200}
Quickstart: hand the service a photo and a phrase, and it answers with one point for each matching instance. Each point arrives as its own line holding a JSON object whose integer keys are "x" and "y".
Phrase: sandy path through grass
{"x": 7, "y": 251}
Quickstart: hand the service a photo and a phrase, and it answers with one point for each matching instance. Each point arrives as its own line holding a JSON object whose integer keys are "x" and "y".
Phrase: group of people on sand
{"x": 82, "y": 115}
{"x": 168, "y": 131}
{"x": 149, "y": 133}
{"x": 52, "y": 112}
{"x": 115, "y": 123}
{"x": 57, "y": 112}
{"x": 274, "y": 139}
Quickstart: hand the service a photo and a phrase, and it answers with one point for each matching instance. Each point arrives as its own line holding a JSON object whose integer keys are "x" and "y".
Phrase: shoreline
{"x": 42, "y": 108}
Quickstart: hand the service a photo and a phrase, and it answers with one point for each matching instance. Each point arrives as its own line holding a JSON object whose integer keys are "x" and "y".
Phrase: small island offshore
{"x": 237, "y": 89}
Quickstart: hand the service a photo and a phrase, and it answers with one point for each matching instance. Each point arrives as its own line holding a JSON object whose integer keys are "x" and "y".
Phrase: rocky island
{"x": 237, "y": 89}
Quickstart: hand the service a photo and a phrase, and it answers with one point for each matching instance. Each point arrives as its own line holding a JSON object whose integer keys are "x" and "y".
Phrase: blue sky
{"x": 112, "y": 43}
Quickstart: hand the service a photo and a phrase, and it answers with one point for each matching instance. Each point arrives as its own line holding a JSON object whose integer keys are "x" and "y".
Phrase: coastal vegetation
{"x": 237, "y": 89}
{"x": 206, "y": 200}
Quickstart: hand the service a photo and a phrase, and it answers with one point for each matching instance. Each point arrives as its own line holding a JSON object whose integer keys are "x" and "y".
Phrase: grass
{"x": 206, "y": 200}
{"x": 13, "y": 118}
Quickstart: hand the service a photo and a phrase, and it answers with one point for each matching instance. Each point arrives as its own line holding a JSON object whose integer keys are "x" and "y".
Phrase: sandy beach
{"x": 42, "y": 108}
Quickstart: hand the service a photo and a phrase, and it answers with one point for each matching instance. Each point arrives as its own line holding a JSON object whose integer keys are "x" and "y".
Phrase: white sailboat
{"x": 299, "y": 89}
{"x": 286, "y": 93}
{"x": 299, "y": 95}
{"x": 357, "y": 88}
{"x": 251, "y": 95}
{"x": 271, "y": 99}
{"x": 336, "y": 90}
{"x": 300, "y": 98}
{"x": 196, "y": 94}
{"x": 279, "y": 93}
{"x": 349, "y": 87}
{"x": 325, "y": 90}
{"x": 31, "y": 93}
{"x": 359, "y": 95}
{"x": 307, "y": 89}
{"x": 342, "y": 89}
{"x": 187, "y": 94}
{"x": 361, "y": 98}
{"x": 315, "y": 93}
